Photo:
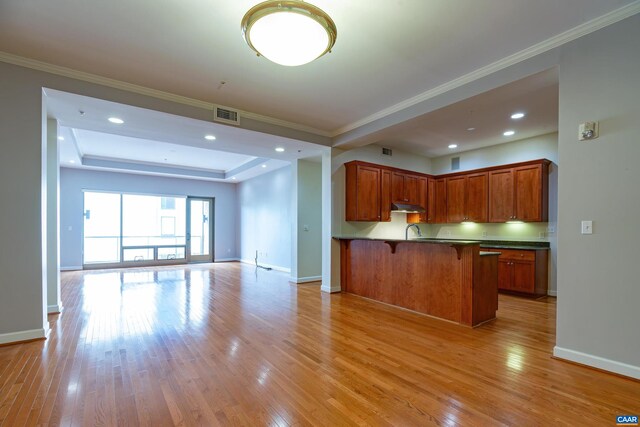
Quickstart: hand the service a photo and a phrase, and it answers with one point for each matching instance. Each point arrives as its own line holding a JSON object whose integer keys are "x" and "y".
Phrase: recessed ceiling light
{"x": 453, "y": 145}
{"x": 264, "y": 166}
{"x": 517, "y": 116}
{"x": 471, "y": 129}
{"x": 61, "y": 138}
{"x": 210, "y": 137}
{"x": 72, "y": 161}
{"x": 509, "y": 133}
{"x": 116, "y": 120}
{"x": 279, "y": 149}
{"x": 233, "y": 177}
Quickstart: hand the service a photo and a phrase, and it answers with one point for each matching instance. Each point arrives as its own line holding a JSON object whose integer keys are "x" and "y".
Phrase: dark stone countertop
{"x": 488, "y": 244}
{"x": 419, "y": 240}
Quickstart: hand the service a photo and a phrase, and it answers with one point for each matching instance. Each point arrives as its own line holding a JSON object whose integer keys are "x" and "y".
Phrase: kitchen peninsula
{"x": 448, "y": 279}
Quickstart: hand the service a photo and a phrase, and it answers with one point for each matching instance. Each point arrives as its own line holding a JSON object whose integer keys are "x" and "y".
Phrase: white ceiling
{"x": 488, "y": 114}
{"x": 116, "y": 147}
{"x": 386, "y": 51}
{"x": 158, "y": 143}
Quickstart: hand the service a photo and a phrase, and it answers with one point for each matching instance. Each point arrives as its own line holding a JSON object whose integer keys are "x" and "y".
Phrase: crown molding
{"x": 537, "y": 49}
{"x": 142, "y": 90}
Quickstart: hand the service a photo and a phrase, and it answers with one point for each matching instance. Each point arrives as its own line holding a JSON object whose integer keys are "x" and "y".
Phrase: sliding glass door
{"x": 199, "y": 241}
{"x": 128, "y": 229}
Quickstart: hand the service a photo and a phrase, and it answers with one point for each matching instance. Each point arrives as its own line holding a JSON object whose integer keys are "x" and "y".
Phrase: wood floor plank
{"x": 224, "y": 344}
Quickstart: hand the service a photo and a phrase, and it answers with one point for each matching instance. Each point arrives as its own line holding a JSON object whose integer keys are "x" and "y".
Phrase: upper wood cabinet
{"x": 517, "y": 192}
{"x": 422, "y": 200}
{"x": 467, "y": 198}
{"x": 520, "y": 193}
{"x": 404, "y": 188}
{"x": 363, "y": 192}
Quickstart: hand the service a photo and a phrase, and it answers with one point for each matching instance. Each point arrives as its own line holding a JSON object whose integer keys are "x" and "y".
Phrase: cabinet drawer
{"x": 515, "y": 254}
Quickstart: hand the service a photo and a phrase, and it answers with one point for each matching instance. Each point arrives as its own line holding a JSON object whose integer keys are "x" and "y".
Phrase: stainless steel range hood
{"x": 406, "y": 208}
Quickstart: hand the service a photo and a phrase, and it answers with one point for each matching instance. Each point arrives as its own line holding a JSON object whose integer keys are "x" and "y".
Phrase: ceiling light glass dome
{"x": 289, "y": 33}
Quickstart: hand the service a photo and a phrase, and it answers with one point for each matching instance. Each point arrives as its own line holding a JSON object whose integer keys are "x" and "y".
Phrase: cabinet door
{"x": 385, "y": 196}
{"x": 440, "y": 216}
{"x": 477, "y": 196}
{"x": 528, "y": 194}
{"x": 524, "y": 276}
{"x": 505, "y": 274}
{"x": 397, "y": 188}
{"x": 368, "y": 193}
{"x": 421, "y": 200}
{"x": 456, "y": 191}
{"x": 431, "y": 200}
{"x": 411, "y": 189}
{"x": 501, "y": 195}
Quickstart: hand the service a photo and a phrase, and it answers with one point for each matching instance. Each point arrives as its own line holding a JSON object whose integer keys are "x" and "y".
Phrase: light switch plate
{"x": 587, "y": 227}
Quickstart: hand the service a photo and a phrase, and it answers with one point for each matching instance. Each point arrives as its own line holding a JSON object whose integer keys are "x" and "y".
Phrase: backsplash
{"x": 536, "y": 231}
{"x": 396, "y": 229}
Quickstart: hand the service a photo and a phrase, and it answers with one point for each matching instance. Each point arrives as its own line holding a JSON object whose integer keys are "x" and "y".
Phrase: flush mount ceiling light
{"x": 516, "y": 116}
{"x": 289, "y": 33}
{"x": 279, "y": 149}
{"x": 452, "y": 146}
{"x": 210, "y": 137}
{"x": 509, "y": 133}
{"x": 116, "y": 120}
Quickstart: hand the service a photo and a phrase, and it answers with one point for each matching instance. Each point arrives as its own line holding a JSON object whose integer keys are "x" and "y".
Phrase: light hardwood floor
{"x": 227, "y": 345}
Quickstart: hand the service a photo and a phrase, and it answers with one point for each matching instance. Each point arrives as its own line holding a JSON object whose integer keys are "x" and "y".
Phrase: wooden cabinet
{"x": 440, "y": 201}
{"x": 385, "y": 196}
{"x": 522, "y": 271}
{"x": 519, "y": 193}
{"x": 363, "y": 192}
{"x": 404, "y": 188}
{"x": 467, "y": 198}
{"x": 422, "y": 200}
{"x": 497, "y": 194}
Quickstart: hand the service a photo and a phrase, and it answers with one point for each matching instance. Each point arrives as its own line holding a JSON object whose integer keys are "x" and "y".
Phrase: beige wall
{"x": 598, "y": 281}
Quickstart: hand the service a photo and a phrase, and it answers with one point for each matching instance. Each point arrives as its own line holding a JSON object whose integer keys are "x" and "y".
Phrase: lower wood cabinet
{"x": 523, "y": 271}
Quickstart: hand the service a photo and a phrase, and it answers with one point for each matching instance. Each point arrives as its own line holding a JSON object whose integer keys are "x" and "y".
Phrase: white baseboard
{"x": 32, "y": 334}
{"x": 330, "y": 289}
{"x": 226, "y": 259}
{"x": 597, "y": 362}
{"x": 71, "y": 268}
{"x": 552, "y": 293}
{"x": 274, "y": 267}
{"x": 305, "y": 279}
{"x": 57, "y": 308}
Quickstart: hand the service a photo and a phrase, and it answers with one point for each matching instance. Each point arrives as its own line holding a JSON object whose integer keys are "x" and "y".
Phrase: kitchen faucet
{"x": 406, "y": 231}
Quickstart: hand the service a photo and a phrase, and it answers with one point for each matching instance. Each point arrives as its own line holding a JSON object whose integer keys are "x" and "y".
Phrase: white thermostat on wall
{"x": 587, "y": 130}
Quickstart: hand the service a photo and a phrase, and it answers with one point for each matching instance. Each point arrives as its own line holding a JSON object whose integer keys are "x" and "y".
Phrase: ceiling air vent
{"x": 455, "y": 163}
{"x": 387, "y": 152}
{"x": 225, "y": 115}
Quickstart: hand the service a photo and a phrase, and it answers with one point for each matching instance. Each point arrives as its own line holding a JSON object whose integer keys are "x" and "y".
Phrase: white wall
{"x": 540, "y": 147}
{"x": 73, "y": 181}
{"x": 306, "y": 221}
{"x": 23, "y": 194}
{"x": 598, "y": 282}
{"x": 264, "y": 212}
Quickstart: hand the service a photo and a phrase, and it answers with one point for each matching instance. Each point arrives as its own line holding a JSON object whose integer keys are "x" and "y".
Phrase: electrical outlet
{"x": 587, "y": 227}
{"x": 305, "y": 227}
{"x": 551, "y": 229}
{"x": 484, "y": 234}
